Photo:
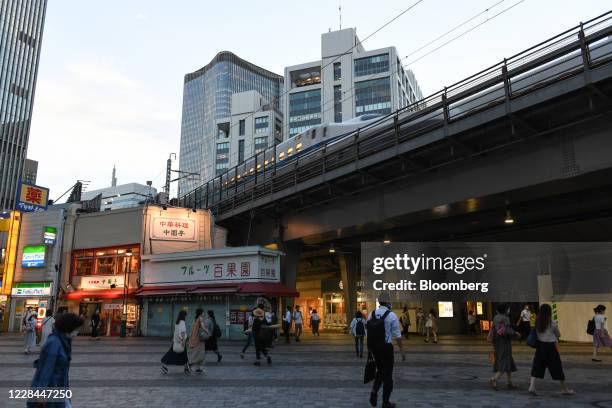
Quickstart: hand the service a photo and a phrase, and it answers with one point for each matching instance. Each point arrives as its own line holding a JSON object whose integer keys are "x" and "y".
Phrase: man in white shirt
{"x": 297, "y": 317}
{"x": 287, "y": 324}
{"x": 382, "y": 349}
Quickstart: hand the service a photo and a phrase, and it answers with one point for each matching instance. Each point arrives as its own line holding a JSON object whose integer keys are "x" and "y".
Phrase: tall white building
{"x": 347, "y": 82}
{"x": 254, "y": 125}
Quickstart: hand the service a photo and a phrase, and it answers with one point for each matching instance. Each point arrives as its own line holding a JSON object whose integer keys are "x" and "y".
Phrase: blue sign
{"x": 31, "y": 198}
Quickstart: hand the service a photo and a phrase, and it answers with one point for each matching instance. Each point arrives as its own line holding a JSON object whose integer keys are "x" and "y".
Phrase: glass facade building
{"x": 207, "y": 99}
{"x": 304, "y": 110}
{"x": 21, "y": 31}
{"x": 373, "y": 96}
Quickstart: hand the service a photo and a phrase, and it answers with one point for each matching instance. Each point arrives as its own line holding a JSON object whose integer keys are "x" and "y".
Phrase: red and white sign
{"x": 174, "y": 229}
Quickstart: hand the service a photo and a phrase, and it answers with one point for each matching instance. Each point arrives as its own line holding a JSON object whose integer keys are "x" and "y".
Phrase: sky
{"x": 110, "y": 80}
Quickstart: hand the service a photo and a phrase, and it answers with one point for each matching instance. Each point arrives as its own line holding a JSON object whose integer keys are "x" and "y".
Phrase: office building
{"x": 347, "y": 82}
{"x": 121, "y": 196}
{"x": 30, "y": 171}
{"x": 21, "y": 30}
{"x": 207, "y": 112}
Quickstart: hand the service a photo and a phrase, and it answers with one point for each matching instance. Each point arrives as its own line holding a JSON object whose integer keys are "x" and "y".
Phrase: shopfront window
{"x": 111, "y": 261}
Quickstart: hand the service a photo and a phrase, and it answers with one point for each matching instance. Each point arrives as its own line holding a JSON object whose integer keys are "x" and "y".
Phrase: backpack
{"x": 591, "y": 327}
{"x": 376, "y": 331}
{"x": 216, "y": 331}
{"x": 360, "y": 328}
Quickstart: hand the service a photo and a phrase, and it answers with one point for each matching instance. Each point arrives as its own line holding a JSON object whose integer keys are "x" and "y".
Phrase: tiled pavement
{"x": 318, "y": 372}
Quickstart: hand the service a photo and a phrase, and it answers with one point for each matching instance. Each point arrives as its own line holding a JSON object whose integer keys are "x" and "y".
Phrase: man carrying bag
{"x": 382, "y": 327}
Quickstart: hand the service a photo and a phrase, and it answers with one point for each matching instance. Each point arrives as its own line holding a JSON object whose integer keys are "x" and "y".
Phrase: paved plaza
{"x": 317, "y": 372}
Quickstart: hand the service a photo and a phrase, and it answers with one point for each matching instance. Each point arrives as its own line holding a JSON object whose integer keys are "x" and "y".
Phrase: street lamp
{"x": 128, "y": 270}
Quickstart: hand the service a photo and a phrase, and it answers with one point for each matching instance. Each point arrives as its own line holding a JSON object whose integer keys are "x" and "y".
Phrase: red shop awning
{"x": 154, "y": 290}
{"x": 100, "y": 294}
{"x": 268, "y": 288}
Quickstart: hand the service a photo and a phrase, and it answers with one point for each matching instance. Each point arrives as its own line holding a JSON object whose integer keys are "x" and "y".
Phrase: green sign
{"x": 49, "y": 235}
{"x": 33, "y": 256}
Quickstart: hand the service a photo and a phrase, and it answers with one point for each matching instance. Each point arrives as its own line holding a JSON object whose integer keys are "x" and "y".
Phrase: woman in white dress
{"x": 47, "y": 327}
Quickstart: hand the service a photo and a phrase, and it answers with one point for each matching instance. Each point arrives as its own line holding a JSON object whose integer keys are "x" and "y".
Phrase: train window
{"x": 281, "y": 156}
{"x": 298, "y": 147}
{"x": 265, "y": 163}
{"x": 324, "y": 131}
{"x": 238, "y": 177}
{"x": 258, "y": 167}
{"x": 312, "y": 135}
{"x": 289, "y": 151}
{"x": 252, "y": 170}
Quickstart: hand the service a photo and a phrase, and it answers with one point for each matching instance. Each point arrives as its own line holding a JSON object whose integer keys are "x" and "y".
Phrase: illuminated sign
{"x": 49, "y": 235}
{"x": 31, "y": 198}
{"x": 479, "y": 308}
{"x": 33, "y": 256}
{"x": 174, "y": 229}
{"x": 31, "y": 289}
{"x": 445, "y": 309}
{"x": 102, "y": 281}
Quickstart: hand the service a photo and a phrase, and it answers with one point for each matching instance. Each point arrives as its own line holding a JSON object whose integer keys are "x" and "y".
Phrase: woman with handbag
{"x": 196, "y": 351}
{"x": 547, "y": 355}
{"x": 601, "y": 338}
{"x": 177, "y": 355}
{"x": 502, "y": 342}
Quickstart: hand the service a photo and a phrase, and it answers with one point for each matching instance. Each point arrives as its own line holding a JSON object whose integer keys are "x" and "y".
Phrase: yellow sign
{"x": 5, "y": 225}
{"x": 32, "y": 198}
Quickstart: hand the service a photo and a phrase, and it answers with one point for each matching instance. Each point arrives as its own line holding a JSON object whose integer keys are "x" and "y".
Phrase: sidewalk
{"x": 317, "y": 372}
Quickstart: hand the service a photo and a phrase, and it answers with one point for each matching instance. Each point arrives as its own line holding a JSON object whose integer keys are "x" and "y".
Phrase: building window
{"x": 337, "y": 104}
{"x": 222, "y": 157}
{"x": 371, "y": 65}
{"x": 261, "y": 124}
{"x": 105, "y": 261}
{"x": 261, "y": 143}
{"x": 305, "y": 77}
{"x": 337, "y": 71}
{"x": 373, "y": 96}
{"x": 304, "y": 111}
{"x": 241, "y": 127}
{"x": 240, "y": 151}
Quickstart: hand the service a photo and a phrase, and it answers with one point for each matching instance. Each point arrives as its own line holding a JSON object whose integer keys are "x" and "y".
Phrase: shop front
{"x": 104, "y": 280}
{"x": 229, "y": 282}
{"x": 33, "y": 295}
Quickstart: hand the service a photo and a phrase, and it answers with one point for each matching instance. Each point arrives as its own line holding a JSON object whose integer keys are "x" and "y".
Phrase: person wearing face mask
{"x": 53, "y": 363}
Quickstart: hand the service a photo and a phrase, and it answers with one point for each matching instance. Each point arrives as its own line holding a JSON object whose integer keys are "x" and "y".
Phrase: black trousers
{"x": 547, "y": 356}
{"x": 287, "y": 329}
{"x": 384, "y": 370}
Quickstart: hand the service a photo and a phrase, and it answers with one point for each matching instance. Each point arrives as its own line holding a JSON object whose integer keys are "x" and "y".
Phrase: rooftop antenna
{"x": 114, "y": 178}
{"x": 340, "y": 15}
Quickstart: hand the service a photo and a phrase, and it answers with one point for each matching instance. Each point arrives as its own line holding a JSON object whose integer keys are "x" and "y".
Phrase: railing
{"x": 570, "y": 53}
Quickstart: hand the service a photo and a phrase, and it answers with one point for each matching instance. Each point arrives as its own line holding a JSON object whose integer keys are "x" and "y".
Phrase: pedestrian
{"x": 502, "y": 342}
{"x": 524, "y": 322}
{"x": 601, "y": 337}
{"x": 95, "y": 325}
{"x": 472, "y": 323}
{"x": 287, "y": 324}
{"x": 196, "y": 351}
{"x": 262, "y": 333}
{"x": 274, "y": 321}
{"x": 177, "y": 355}
{"x": 29, "y": 329}
{"x": 47, "y": 326}
{"x": 298, "y": 319}
{"x": 547, "y": 354}
{"x": 405, "y": 322}
{"x": 315, "y": 319}
{"x": 247, "y": 327}
{"x": 421, "y": 322}
{"x": 358, "y": 331}
{"x": 431, "y": 326}
{"x": 53, "y": 364}
{"x": 382, "y": 327}
{"x": 215, "y": 332}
